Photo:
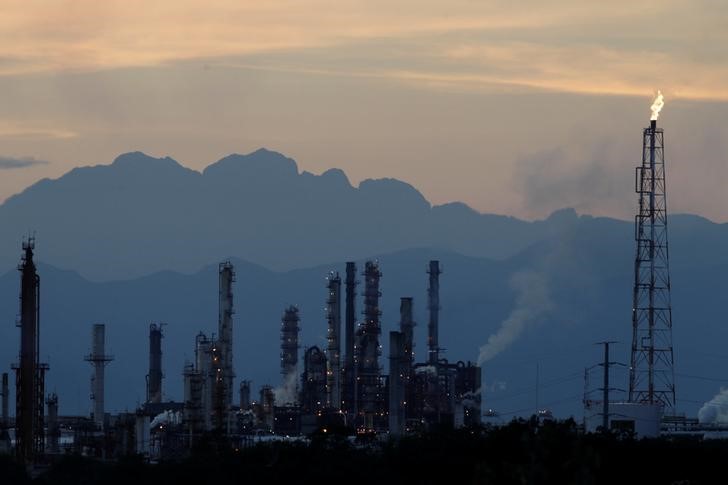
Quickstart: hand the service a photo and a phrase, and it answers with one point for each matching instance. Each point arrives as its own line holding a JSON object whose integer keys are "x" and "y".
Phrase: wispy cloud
{"x": 9, "y": 129}
{"x": 8, "y": 163}
{"x": 610, "y": 48}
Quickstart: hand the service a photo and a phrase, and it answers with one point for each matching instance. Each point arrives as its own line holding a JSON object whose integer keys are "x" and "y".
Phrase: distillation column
{"x": 349, "y": 397}
{"x": 30, "y": 373}
{"x": 406, "y": 328}
{"x": 289, "y": 354}
{"x": 225, "y": 328}
{"x": 433, "y": 299}
{"x": 333, "y": 315}
{"x": 154, "y": 378}
{"x": 369, "y": 391}
{"x": 98, "y": 359}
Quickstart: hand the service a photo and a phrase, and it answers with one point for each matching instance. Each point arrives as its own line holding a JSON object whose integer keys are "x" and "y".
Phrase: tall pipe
{"x": 225, "y": 327}
{"x": 98, "y": 359}
{"x": 433, "y": 297}
{"x": 350, "y": 335}
{"x": 333, "y": 314}
{"x": 154, "y": 379}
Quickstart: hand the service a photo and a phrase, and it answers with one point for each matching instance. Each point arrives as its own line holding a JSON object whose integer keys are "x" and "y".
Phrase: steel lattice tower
{"x": 652, "y": 378}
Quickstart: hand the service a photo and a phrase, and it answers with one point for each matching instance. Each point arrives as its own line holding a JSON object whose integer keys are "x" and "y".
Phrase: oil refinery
{"x": 346, "y": 387}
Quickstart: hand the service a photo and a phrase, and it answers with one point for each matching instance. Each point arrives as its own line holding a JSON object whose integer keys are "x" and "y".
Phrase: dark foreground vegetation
{"x": 519, "y": 453}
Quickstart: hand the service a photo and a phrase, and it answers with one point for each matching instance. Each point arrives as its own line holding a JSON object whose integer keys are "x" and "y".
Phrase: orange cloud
{"x": 610, "y": 48}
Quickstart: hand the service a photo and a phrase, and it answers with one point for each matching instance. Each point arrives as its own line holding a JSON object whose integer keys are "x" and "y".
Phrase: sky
{"x": 516, "y": 108}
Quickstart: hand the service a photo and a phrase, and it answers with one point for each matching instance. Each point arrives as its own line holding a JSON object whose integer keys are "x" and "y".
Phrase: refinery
{"x": 323, "y": 390}
{"x": 348, "y": 387}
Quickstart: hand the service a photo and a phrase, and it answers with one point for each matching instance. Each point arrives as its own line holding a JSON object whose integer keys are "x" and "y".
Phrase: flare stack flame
{"x": 657, "y": 105}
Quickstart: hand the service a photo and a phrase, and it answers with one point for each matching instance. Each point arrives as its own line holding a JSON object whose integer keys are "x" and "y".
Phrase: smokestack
{"x": 433, "y": 297}
{"x": 98, "y": 360}
{"x": 333, "y": 314}
{"x": 225, "y": 328}
{"x": 6, "y": 395}
{"x": 396, "y": 383}
{"x": 406, "y": 326}
{"x": 349, "y": 382}
{"x": 154, "y": 378}
{"x": 30, "y": 404}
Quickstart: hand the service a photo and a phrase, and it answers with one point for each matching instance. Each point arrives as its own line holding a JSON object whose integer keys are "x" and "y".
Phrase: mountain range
{"x": 142, "y": 214}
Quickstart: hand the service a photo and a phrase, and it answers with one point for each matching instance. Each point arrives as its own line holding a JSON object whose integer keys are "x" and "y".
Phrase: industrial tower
{"x": 368, "y": 372}
{"x": 154, "y": 378}
{"x": 225, "y": 329}
{"x": 333, "y": 315}
{"x": 349, "y": 371}
{"x": 407, "y": 327}
{"x": 433, "y": 300}
{"x": 289, "y": 351}
{"x": 30, "y": 372}
{"x": 98, "y": 359}
{"x": 652, "y": 379}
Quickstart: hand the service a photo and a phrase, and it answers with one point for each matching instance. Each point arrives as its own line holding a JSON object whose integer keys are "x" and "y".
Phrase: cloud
{"x": 9, "y": 163}
{"x": 11, "y": 129}
{"x": 611, "y": 48}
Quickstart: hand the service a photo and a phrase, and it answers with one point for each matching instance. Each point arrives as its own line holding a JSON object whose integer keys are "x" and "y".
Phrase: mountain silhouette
{"x": 141, "y": 215}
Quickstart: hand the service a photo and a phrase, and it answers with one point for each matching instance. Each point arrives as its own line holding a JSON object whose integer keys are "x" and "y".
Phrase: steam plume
{"x": 715, "y": 410}
{"x": 287, "y": 392}
{"x": 532, "y": 302}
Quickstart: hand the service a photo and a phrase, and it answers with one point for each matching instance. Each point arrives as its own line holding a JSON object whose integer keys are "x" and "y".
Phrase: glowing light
{"x": 657, "y": 105}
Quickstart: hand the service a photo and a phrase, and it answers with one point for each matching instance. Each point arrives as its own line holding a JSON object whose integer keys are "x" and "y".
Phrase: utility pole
{"x": 605, "y": 389}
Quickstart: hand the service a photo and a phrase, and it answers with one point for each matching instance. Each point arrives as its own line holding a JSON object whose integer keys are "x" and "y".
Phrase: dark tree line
{"x": 523, "y": 452}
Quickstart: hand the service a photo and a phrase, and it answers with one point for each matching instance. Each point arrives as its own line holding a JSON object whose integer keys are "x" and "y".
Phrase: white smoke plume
{"x": 657, "y": 105}
{"x": 287, "y": 392}
{"x": 532, "y": 303}
{"x": 715, "y": 410}
{"x": 428, "y": 369}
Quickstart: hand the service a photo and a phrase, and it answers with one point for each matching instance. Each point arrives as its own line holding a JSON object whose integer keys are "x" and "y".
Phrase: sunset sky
{"x": 515, "y": 108}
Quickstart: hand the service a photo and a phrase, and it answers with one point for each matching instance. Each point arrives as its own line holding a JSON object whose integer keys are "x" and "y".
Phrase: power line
{"x": 526, "y": 390}
{"x": 702, "y": 378}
